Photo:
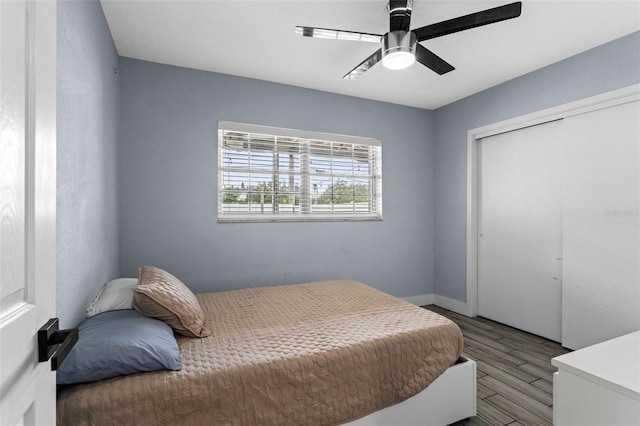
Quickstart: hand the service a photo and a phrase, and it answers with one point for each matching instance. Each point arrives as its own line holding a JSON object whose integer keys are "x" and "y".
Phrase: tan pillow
{"x": 161, "y": 295}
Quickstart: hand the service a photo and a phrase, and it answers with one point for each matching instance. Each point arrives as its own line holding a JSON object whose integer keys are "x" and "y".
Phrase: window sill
{"x": 299, "y": 218}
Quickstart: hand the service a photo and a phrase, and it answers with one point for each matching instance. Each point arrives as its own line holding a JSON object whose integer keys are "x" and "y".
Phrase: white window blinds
{"x": 276, "y": 174}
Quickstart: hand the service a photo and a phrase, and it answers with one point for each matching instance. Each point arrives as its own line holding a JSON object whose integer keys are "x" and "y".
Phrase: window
{"x": 275, "y": 174}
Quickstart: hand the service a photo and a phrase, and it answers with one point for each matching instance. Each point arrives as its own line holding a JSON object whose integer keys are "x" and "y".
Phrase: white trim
{"x": 419, "y": 300}
{"x": 442, "y": 301}
{"x": 294, "y": 133}
{"x": 454, "y": 305}
{"x": 311, "y": 217}
{"x": 592, "y": 103}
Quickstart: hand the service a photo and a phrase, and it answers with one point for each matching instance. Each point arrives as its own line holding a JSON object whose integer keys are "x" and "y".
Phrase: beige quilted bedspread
{"x": 318, "y": 354}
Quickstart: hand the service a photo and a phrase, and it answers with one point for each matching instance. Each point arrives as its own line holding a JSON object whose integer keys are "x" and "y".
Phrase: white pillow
{"x": 116, "y": 294}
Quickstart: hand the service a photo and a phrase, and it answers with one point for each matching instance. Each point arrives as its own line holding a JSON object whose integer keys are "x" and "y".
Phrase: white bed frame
{"x": 450, "y": 398}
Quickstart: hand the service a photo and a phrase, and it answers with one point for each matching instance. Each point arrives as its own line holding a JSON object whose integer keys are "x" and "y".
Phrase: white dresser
{"x": 599, "y": 385}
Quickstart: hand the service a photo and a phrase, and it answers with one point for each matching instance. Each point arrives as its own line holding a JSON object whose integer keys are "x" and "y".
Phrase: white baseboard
{"x": 454, "y": 305}
{"x": 419, "y": 300}
{"x": 442, "y": 301}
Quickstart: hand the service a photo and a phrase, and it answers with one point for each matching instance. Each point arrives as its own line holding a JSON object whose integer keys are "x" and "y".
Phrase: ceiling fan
{"x": 401, "y": 47}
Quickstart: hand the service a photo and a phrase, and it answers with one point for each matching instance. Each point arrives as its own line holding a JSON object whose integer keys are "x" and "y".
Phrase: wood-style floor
{"x": 514, "y": 371}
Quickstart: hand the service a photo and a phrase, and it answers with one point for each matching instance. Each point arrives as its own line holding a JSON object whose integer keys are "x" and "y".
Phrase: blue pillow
{"x": 117, "y": 343}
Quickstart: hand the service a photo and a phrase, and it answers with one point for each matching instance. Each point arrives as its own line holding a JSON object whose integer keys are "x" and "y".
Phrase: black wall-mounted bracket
{"x": 55, "y": 343}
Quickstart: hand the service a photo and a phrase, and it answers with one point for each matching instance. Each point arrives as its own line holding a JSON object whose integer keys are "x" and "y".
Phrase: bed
{"x": 318, "y": 353}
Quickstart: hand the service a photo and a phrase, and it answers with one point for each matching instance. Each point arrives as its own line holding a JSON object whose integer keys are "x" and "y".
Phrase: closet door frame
{"x": 605, "y": 100}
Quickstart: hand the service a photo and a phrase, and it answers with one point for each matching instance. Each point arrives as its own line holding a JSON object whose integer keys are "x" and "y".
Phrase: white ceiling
{"x": 256, "y": 39}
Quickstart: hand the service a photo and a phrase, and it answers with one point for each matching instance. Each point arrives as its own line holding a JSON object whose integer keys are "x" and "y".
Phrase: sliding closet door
{"x": 601, "y": 290}
{"x": 520, "y": 229}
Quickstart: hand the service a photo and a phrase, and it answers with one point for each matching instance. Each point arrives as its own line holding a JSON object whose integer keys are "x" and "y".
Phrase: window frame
{"x": 310, "y": 138}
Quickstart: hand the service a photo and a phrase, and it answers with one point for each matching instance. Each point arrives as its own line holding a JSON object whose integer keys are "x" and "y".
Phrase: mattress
{"x": 318, "y": 353}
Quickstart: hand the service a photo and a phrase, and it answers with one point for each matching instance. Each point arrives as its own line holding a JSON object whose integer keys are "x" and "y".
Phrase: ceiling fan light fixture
{"x": 398, "y": 60}
{"x": 398, "y": 50}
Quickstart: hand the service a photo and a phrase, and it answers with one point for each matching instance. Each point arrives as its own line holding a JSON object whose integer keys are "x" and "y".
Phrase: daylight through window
{"x": 276, "y": 174}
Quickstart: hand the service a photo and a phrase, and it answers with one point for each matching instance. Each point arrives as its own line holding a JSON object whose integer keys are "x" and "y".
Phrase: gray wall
{"x": 607, "y": 67}
{"x": 168, "y": 200}
{"x": 164, "y": 156}
{"x": 87, "y": 213}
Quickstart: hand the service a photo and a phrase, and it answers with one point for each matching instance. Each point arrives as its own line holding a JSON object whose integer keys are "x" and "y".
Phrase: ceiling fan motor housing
{"x": 398, "y": 49}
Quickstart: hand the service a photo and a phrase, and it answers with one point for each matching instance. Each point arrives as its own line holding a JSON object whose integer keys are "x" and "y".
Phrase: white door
{"x": 601, "y": 290}
{"x": 520, "y": 229}
{"x": 27, "y": 207}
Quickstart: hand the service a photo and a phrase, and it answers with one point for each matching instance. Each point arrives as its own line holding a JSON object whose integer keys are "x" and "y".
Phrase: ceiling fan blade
{"x": 364, "y": 65}
{"x": 337, "y": 34}
{"x": 432, "y": 61}
{"x": 467, "y": 22}
{"x": 400, "y": 15}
